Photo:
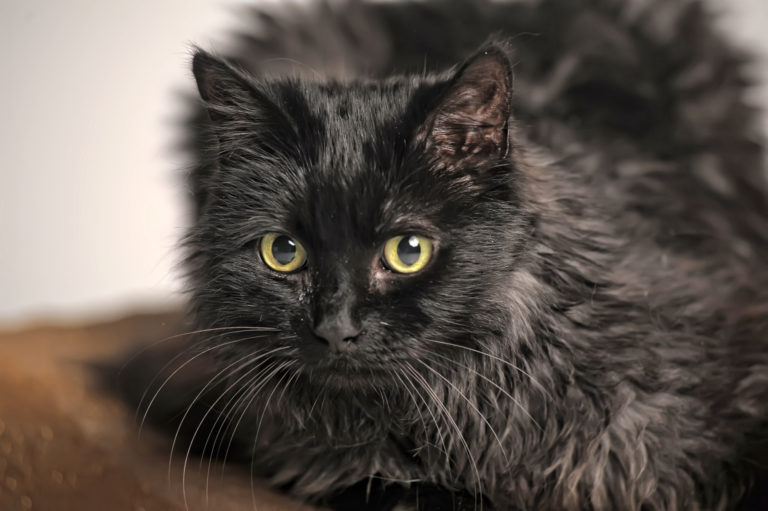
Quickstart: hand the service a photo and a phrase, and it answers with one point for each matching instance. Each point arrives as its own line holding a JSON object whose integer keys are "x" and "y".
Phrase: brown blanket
{"x": 66, "y": 445}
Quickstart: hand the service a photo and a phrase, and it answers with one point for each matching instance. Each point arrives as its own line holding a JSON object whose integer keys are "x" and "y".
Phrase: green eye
{"x": 407, "y": 254}
{"x": 282, "y": 253}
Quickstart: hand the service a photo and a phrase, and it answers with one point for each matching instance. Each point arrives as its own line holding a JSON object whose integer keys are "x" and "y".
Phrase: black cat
{"x": 537, "y": 280}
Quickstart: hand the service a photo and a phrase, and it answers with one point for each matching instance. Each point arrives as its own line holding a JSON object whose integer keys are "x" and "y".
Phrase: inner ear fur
{"x": 471, "y": 117}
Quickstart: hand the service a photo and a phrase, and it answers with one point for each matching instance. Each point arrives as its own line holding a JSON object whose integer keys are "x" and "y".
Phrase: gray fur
{"x": 615, "y": 356}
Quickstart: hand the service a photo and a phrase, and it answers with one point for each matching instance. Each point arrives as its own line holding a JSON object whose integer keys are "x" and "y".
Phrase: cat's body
{"x": 592, "y": 329}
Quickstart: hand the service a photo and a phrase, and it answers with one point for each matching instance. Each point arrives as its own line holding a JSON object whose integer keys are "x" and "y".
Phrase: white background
{"x": 90, "y": 195}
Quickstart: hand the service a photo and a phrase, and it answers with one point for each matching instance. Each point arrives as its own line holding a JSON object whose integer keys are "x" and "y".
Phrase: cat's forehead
{"x": 356, "y": 186}
{"x": 357, "y": 117}
{"x": 359, "y": 100}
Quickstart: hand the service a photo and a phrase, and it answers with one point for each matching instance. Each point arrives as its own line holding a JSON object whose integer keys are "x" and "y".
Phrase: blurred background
{"x": 91, "y": 195}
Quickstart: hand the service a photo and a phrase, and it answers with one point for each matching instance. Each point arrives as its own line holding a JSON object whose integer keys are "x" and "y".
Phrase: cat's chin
{"x": 343, "y": 373}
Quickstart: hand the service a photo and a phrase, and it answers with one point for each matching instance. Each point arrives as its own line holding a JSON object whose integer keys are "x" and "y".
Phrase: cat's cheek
{"x": 290, "y": 288}
{"x": 380, "y": 279}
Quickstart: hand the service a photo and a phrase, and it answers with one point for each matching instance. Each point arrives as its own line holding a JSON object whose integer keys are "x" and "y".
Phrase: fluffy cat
{"x": 534, "y": 280}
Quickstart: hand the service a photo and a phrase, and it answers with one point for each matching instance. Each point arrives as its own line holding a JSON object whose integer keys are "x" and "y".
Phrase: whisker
{"x": 250, "y": 394}
{"x": 425, "y": 385}
{"x": 472, "y": 405}
{"x": 237, "y": 396}
{"x": 496, "y": 385}
{"x": 245, "y": 391}
{"x": 287, "y": 384}
{"x": 176, "y": 371}
{"x": 406, "y": 382}
{"x": 314, "y": 403}
{"x": 249, "y": 359}
{"x": 266, "y": 405}
{"x": 231, "y": 405}
{"x": 398, "y": 375}
{"x": 184, "y": 334}
{"x": 498, "y": 359}
{"x": 217, "y": 431}
{"x": 179, "y": 355}
{"x": 258, "y": 427}
{"x": 215, "y": 378}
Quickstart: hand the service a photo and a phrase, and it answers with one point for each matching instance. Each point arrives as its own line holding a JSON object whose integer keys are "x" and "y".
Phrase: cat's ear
{"x": 471, "y": 118}
{"x": 236, "y": 106}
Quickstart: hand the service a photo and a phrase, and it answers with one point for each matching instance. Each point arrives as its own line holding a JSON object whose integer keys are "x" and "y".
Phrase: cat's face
{"x": 366, "y": 223}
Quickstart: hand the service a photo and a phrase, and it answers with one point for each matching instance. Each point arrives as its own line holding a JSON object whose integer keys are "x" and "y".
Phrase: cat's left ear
{"x": 471, "y": 119}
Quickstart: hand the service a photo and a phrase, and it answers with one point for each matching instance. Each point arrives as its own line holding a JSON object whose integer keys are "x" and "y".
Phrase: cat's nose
{"x": 338, "y": 331}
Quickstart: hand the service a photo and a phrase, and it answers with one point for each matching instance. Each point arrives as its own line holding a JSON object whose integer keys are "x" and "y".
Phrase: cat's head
{"x": 366, "y": 222}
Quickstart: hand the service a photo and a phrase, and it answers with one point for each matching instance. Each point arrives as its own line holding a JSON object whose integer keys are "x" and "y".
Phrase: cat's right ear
{"x": 468, "y": 127}
{"x": 238, "y": 109}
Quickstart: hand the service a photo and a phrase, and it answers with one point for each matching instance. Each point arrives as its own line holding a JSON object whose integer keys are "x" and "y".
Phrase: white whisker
{"x": 425, "y": 385}
{"x": 498, "y": 359}
{"x": 496, "y": 385}
{"x": 176, "y": 371}
{"x": 249, "y": 359}
{"x": 472, "y": 405}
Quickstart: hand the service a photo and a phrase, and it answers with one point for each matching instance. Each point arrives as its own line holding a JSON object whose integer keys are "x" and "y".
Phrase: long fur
{"x": 593, "y": 332}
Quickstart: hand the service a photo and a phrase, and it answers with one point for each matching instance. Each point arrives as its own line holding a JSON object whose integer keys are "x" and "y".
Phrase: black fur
{"x": 591, "y": 332}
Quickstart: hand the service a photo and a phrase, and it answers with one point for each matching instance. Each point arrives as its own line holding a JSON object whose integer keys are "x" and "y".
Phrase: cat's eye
{"x": 408, "y": 253}
{"x": 282, "y": 253}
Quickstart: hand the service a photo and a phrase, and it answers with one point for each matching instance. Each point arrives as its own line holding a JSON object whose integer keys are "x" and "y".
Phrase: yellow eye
{"x": 407, "y": 254}
{"x": 282, "y": 253}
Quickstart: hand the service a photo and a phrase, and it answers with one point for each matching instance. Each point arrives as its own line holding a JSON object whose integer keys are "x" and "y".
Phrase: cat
{"x": 483, "y": 255}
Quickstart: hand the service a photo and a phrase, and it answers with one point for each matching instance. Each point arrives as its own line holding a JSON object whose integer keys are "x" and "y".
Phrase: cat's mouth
{"x": 344, "y": 375}
{"x": 339, "y": 363}
{"x": 342, "y": 363}
{"x": 345, "y": 369}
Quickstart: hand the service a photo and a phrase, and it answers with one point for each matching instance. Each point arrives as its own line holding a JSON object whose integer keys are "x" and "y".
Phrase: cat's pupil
{"x": 409, "y": 250}
{"x": 284, "y": 249}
